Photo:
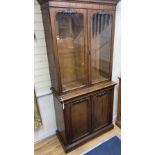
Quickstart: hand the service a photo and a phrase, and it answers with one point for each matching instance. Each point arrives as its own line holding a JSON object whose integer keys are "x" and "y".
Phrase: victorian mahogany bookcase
{"x": 79, "y": 37}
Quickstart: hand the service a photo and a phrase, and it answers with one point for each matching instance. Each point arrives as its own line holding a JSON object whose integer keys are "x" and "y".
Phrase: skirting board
{"x": 45, "y": 135}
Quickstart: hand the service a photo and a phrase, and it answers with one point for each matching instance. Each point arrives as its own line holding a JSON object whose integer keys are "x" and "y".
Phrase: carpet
{"x": 111, "y": 146}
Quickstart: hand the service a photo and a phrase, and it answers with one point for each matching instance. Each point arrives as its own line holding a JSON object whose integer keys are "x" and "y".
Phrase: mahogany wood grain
{"x": 56, "y": 69}
{"x": 84, "y": 117}
{"x": 52, "y": 16}
{"x": 81, "y": 5}
{"x": 80, "y": 114}
{"x": 95, "y": 44}
{"x": 50, "y": 51}
{"x": 114, "y": 2}
{"x": 118, "y": 119}
{"x": 83, "y": 111}
{"x": 74, "y": 145}
{"x": 68, "y": 75}
{"x": 60, "y": 120}
{"x": 84, "y": 91}
{"x": 101, "y": 109}
{"x": 112, "y": 43}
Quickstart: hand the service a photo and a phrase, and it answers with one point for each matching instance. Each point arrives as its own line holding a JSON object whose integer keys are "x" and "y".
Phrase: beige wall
{"x": 41, "y": 71}
{"x": 42, "y": 78}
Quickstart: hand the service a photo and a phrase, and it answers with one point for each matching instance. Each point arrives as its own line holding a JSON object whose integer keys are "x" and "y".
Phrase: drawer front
{"x": 102, "y": 109}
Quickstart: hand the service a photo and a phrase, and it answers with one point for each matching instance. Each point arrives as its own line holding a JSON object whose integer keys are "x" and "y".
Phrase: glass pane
{"x": 70, "y": 42}
{"x": 100, "y": 46}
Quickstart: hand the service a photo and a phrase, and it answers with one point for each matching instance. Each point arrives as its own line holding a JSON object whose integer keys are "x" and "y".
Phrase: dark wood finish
{"x": 92, "y": 12}
{"x": 80, "y": 115}
{"x": 83, "y": 108}
{"x": 79, "y": 5}
{"x": 118, "y": 120}
{"x": 102, "y": 107}
{"x": 60, "y": 120}
{"x": 114, "y": 2}
{"x": 84, "y": 117}
{"x": 57, "y": 69}
{"x": 50, "y": 50}
{"x": 91, "y": 89}
{"x": 74, "y": 145}
{"x": 68, "y": 60}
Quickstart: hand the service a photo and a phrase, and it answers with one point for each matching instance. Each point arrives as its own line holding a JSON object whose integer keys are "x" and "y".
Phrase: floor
{"x": 52, "y": 146}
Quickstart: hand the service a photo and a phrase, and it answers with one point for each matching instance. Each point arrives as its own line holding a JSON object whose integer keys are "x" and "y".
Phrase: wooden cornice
{"x": 110, "y": 2}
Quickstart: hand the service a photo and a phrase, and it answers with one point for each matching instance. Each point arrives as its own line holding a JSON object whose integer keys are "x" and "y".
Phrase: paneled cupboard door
{"x": 80, "y": 118}
{"x": 71, "y": 47}
{"x": 100, "y": 25}
{"x": 102, "y": 109}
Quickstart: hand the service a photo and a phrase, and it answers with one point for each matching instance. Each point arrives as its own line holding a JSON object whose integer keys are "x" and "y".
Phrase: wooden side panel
{"x": 80, "y": 118}
{"x": 49, "y": 44}
{"x": 60, "y": 119}
{"x": 118, "y": 121}
{"x": 102, "y": 109}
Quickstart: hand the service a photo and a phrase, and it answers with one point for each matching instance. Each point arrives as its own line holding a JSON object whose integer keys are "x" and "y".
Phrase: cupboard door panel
{"x": 70, "y": 28}
{"x": 80, "y": 118}
{"x": 100, "y": 34}
{"x": 102, "y": 109}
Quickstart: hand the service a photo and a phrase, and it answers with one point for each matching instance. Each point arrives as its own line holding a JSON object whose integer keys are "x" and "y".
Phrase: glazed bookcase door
{"x": 100, "y": 47}
{"x": 70, "y": 44}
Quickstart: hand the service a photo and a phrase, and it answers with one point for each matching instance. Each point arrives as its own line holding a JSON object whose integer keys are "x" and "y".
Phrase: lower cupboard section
{"x": 84, "y": 117}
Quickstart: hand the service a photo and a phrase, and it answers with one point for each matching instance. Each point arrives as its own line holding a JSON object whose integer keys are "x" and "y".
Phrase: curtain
{"x": 37, "y": 117}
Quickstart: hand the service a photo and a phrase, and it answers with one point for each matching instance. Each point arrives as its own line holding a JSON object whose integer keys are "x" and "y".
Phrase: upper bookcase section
{"x": 112, "y": 2}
